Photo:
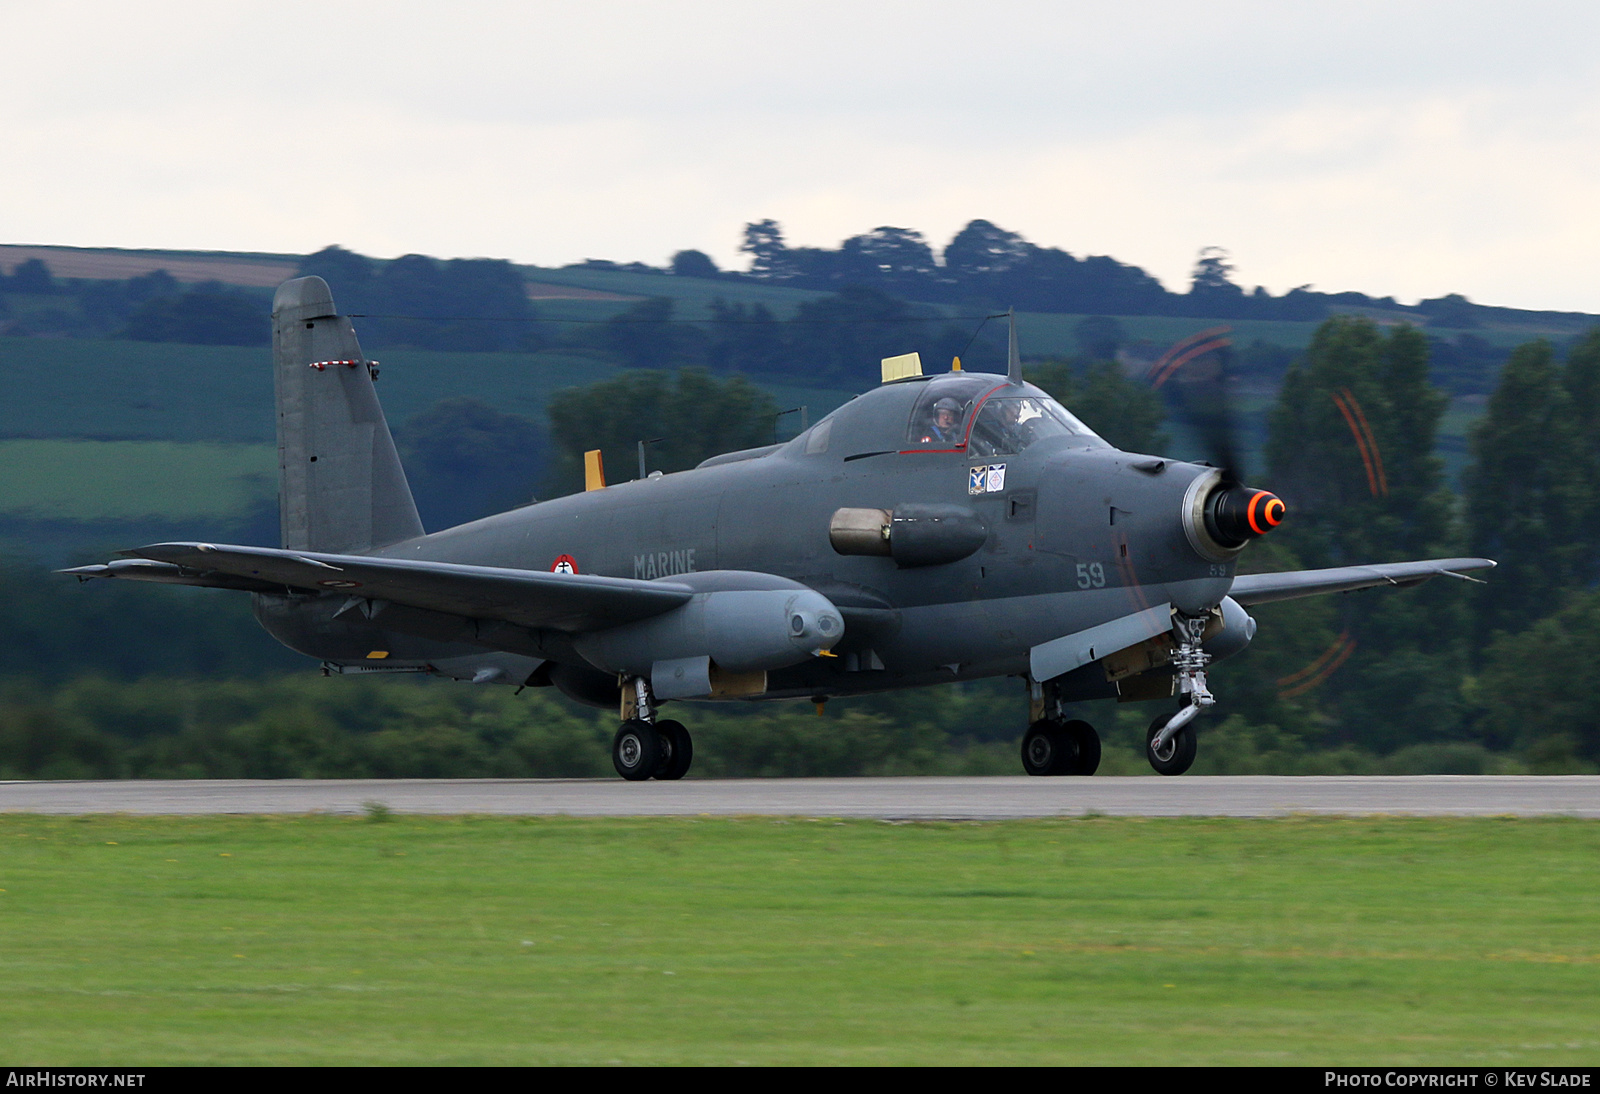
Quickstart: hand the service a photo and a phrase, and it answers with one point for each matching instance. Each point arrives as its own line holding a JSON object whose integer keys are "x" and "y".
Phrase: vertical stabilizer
{"x": 340, "y": 485}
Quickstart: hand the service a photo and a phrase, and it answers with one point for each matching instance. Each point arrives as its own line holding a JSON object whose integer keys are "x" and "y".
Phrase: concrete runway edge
{"x": 993, "y": 798}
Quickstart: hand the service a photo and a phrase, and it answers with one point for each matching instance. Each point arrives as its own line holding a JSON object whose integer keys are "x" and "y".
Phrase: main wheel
{"x": 1179, "y": 752}
{"x": 1043, "y": 746}
{"x": 1084, "y": 750}
{"x": 677, "y": 750}
{"x": 636, "y": 751}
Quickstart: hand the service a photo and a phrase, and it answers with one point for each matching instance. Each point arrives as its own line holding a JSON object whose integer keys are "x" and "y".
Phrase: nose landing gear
{"x": 1170, "y": 741}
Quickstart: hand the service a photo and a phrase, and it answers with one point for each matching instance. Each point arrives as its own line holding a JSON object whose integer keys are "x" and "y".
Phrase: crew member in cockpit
{"x": 945, "y": 429}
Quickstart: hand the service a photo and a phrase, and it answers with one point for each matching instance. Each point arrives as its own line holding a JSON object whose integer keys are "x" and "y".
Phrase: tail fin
{"x": 340, "y": 485}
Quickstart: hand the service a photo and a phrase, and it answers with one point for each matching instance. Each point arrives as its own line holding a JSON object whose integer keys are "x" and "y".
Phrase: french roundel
{"x": 566, "y": 564}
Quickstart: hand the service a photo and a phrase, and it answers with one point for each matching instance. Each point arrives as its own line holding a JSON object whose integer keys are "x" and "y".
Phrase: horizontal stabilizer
{"x": 1253, "y": 589}
{"x": 1058, "y": 656}
{"x": 572, "y": 603}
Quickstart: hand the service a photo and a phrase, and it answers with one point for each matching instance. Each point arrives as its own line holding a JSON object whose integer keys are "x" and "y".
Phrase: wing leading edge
{"x": 571, "y": 603}
{"x": 1253, "y": 589}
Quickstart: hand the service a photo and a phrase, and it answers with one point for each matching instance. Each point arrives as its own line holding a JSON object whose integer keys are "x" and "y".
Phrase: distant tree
{"x": 695, "y": 414}
{"x": 842, "y": 337}
{"x": 1211, "y": 288}
{"x": 1213, "y": 270}
{"x": 1126, "y": 412}
{"x": 148, "y": 286}
{"x": 207, "y": 315}
{"x": 473, "y": 304}
{"x": 1534, "y": 688}
{"x": 1529, "y": 491}
{"x": 1099, "y": 337}
{"x": 108, "y": 304}
{"x": 763, "y": 242}
{"x": 466, "y": 460}
{"x": 1466, "y": 364}
{"x": 694, "y": 264}
{"x": 981, "y": 250}
{"x": 1581, "y": 377}
{"x": 746, "y": 339}
{"x": 897, "y": 259}
{"x": 1351, "y": 450}
{"x": 646, "y": 336}
{"x": 32, "y": 278}
{"x": 351, "y": 276}
{"x": 1454, "y": 311}
{"x": 58, "y": 628}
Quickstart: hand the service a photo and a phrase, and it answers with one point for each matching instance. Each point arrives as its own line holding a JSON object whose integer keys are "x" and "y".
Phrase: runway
{"x": 885, "y": 799}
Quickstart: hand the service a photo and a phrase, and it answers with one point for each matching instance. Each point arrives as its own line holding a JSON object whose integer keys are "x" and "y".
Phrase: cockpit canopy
{"x": 976, "y": 415}
{"x": 979, "y": 414}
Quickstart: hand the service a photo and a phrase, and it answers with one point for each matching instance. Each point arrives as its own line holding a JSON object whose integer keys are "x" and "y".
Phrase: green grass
{"x": 475, "y": 940}
{"x": 127, "y": 480}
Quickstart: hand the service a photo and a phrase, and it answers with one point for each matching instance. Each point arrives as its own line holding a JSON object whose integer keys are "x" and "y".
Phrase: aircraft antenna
{"x": 1013, "y": 358}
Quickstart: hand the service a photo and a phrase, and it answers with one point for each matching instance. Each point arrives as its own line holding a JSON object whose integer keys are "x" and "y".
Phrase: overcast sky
{"x": 1398, "y": 148}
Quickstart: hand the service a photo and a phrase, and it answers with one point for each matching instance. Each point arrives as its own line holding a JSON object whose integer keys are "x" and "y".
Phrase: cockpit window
{"x": 989, "y": 419}
{"x": 939, "y": 418}
{"x": 1009, "y": 424}
{"x": 817, "y": 437}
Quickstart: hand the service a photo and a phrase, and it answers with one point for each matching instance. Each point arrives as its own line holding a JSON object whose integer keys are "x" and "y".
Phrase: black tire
{"x": 1042, "y": 747}
{"x": 677, "y": 750}
{"x": 636, "y": 751}
{"x": 1180, "y": 750}
{"x": 1084, "y": 748}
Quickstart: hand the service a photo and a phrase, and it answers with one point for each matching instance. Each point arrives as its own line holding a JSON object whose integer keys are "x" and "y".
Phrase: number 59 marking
{"x": 1091, "y": 575}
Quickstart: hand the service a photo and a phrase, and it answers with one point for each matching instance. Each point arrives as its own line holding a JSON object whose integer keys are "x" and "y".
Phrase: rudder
{"x": 340, "y": 485}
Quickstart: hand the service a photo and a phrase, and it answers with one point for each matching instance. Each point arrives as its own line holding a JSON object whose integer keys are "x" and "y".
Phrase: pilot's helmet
{"x": 947, "y": 403}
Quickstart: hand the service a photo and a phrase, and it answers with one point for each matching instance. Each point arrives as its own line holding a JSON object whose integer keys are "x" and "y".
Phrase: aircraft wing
{"x": 1253, "y": 589}
{"x": 528, "y": 598}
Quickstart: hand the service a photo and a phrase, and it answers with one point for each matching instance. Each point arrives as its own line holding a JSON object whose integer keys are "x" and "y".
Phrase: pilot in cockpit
{"x": 945, "y": 428}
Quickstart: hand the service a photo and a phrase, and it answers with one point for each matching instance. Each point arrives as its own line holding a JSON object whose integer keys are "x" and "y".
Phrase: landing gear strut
{"x": 645, "y": 748}
{"x": 1055, "y": 745}
{"x": 1170, "y": 741}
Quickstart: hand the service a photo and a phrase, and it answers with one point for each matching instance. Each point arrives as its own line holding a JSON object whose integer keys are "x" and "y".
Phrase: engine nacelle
{"x": 737, "y": 622}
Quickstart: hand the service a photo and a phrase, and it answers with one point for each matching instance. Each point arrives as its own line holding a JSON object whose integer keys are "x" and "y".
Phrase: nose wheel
{"x": 1173, "y": 753}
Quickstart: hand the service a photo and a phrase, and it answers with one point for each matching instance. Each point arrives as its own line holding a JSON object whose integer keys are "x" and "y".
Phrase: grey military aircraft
{"x": 937, "y": 528}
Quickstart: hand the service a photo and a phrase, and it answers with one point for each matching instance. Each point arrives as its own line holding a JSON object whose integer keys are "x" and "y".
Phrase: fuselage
{"x": 1075, "y": 533}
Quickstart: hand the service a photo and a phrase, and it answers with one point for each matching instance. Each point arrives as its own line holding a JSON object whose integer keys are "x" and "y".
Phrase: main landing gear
{"x": 646, "y": 747}
{"x": 1054, "y": 747}
{"x": 1054, "y": 744}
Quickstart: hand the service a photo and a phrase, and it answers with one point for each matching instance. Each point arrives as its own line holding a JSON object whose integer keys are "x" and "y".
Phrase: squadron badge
{"x": 987, "y": 478}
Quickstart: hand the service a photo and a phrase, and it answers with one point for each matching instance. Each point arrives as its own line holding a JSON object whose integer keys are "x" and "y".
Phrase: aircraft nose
{"x": 1241, "y": 513}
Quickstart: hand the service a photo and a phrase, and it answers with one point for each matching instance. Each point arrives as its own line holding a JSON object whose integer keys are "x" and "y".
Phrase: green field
{"x": 127, "y": 480}
{"x": 323, "y": 940}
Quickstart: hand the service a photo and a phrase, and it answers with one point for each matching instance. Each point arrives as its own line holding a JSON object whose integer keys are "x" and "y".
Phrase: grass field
{"x": 476, "y": 940}
{"x": 126, "y": 480}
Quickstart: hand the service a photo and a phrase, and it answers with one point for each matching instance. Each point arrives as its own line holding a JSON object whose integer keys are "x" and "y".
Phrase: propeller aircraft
{"x": 936, "y": 528}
